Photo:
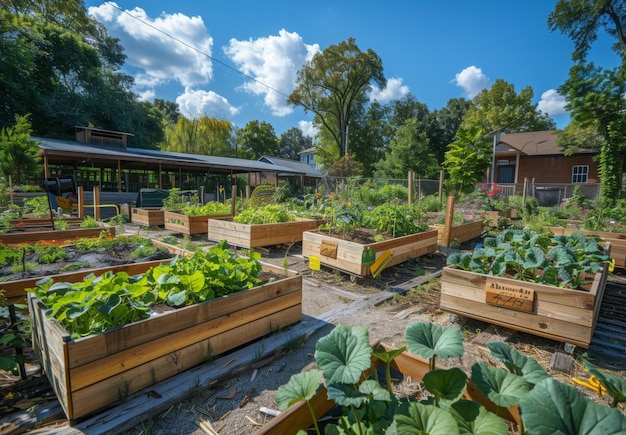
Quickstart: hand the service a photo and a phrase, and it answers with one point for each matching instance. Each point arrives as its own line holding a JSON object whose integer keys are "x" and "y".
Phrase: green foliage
{"x": 370, "y": 194}
{"x": 50, "y": 252}
{"x": 37, "y": 206}
{"x": 607, "y": 218}
{"x": 89, "y": 222}
{"x": 265, "y": 215}
{"x": 211, "y": 208}
{"x": 395, "y": 220}
{"x": 256, "y": 139}
{"x": 431, "y": 203}
{"x": 98, "y": 304}
{"x": 19, "y": 156}
{"x": 546, "y": 405}
{"x": 6, "y": 216}
{"x": 177, "y": 199}
{"x": 467, "y": 159}
{"x": 556, "y": 260}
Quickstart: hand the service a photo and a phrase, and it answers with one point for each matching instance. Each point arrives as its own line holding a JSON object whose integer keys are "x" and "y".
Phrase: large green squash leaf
{"x": 518, "y": 363}
{"x": 426, "y": 419}
{"x": 555, "y": 408}
{"x": 344, "y": 354}
{"x": 501, "y": 387}
{"x": 446, "y": 385}
{"x": 426, "y": 339}
{"x": 301, "y": 386}
{"x": 472, "y": 418}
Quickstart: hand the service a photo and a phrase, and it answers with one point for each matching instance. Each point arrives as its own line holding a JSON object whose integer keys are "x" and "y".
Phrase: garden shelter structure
{"x": 101, "y": 158}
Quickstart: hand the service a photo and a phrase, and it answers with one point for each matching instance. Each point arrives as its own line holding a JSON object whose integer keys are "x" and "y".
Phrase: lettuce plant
{"x": 546, "y": 405}
{"x": 557, "y": 260}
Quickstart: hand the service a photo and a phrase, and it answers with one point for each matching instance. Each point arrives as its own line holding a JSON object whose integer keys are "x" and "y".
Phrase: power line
{"x": 113, "y": 5}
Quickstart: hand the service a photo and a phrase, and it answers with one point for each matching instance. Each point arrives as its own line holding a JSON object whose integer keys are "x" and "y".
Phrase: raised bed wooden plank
{"x": 188, "y": 224}
{"x": 58, "y": 235}
{"x": 258, "y": 235}
{"x": 462, "y": 232}
{"x": 149, "y": 216}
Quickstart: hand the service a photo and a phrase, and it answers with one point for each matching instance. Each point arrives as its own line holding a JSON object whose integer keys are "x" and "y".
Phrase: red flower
{"x": 21, "y": 224}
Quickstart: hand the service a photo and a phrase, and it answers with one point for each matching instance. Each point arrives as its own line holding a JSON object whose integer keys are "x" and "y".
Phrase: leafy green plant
{"x": 49, "y": 252}
{"x": 211, "y": 208}
{"x": 344, "y": 359}
{"x": 176, "y": 200}
{"x": 268, "y": 214}
{"x": 395, "y": 219}
{"x": 97, "y": 304}
{"x": 37, "y": 206}
{"x": 557, "y": 260}
{"x": 89, "y": 222}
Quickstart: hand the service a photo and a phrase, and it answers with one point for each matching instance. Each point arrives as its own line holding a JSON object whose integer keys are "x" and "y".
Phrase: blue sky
{"x": 203, "y": 54}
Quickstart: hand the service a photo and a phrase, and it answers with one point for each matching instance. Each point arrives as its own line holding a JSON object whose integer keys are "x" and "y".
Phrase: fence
{"x": 548, "y": 194}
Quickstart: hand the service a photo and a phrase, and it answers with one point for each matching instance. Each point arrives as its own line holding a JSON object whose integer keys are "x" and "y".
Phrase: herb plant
{"x": 98, "y": 304}
{"x": 268, "y": 214}
{"x": 556, "y": 260}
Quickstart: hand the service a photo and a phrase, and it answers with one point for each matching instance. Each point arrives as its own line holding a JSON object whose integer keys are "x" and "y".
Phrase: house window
{"x": 579, "y": 173}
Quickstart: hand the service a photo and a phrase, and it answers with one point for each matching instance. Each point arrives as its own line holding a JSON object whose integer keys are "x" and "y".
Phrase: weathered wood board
{"x": 462, "y": 232}
{"x": 90, "y": 373}
{"x": 353, "y": 258}
{"x": 557, "y": 313}
{"x": 257, "y": 235}
{"x": 189, "y": 224}
{"x": 148, "y": 216}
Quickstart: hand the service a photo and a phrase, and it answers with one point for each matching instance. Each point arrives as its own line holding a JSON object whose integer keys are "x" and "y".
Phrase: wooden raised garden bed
{"x": 356, "y": 258}
{"x": 617, "y": 241}
{"x": 461, "y": 233}
{"x": 257, "y": 235}
{"x": 92, "y": 373}
{"x": 557, "y": 313}
{"x": 58, "y": 235}
{"x": 189, "y": 224}
{"x": 298, "y": 417}
{"x": 148, "y": 216}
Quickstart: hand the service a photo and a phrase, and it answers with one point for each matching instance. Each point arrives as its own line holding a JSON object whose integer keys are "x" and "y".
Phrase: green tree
{"x": 409, "y": 150}
{"x": 72, "y": 68}
{"x": 467, "y": 159}
{"x": 169, "y": 109}
{"x": 332, "y": 83}
{"x": 293, "y": 141}
{"x": 257, "y": 139}
{"x": 595, "y": 96}
{"x": 501, "y": 107}
{"x": 18, "y": 153}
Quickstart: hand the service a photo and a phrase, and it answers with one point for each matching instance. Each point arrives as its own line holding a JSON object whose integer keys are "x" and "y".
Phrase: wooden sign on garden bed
{"x": 514, "y": 297}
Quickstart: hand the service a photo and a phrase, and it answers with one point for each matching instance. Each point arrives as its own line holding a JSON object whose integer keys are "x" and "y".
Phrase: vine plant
{"x": 547, "y": 406}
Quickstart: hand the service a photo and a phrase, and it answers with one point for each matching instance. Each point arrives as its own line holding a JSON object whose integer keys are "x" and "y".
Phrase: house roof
{"x": 534, "y": 143}
{"x": 68, "y": 152}
{"x": 311, "y": 150}
{"x": 294, "y": 165}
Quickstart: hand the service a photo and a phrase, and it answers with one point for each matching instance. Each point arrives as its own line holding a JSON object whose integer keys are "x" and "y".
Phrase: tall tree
{"x": 409, "y": 150}
{"x": 332, "y": 83}
{"x": 467, "y": 159}
{"x": 72, "y": 68}
{"x": 595, "y": 97}
{"x": 257, "y": 139}
{"x": 501, "y": 107}
{"x": 293, "y": 141}
{"x": 18, "y": 153}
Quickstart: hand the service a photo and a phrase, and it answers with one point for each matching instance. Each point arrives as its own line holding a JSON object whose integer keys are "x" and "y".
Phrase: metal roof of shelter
{"x": 71, "y": 152}
{"x": 295, "y": 166}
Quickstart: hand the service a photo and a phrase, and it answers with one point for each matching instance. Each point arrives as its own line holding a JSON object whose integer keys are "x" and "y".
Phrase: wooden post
{"x": 410, "y": 187}
{"x": 119, "y": 175}
{"x": 201, "y": 195}
{"x": 524, "y": 192}
{"x": 440, "y": 186}
{"x": 233, "y": 199}
{"x": 447, "y": 227}
{"x": 96, "y": 203}
{"x": 81, "y": 202}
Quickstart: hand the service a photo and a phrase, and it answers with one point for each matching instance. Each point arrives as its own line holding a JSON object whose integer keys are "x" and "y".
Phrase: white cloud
{"x": 195, "y": 103}
{"x": 273, "y": 62}
{"x": 472, "y": 80}
{"x": 162, "y": 55}
{"x": 307, "y": 128}
{"x": 552, "y": 103}
{"x": 394, "y": 90}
